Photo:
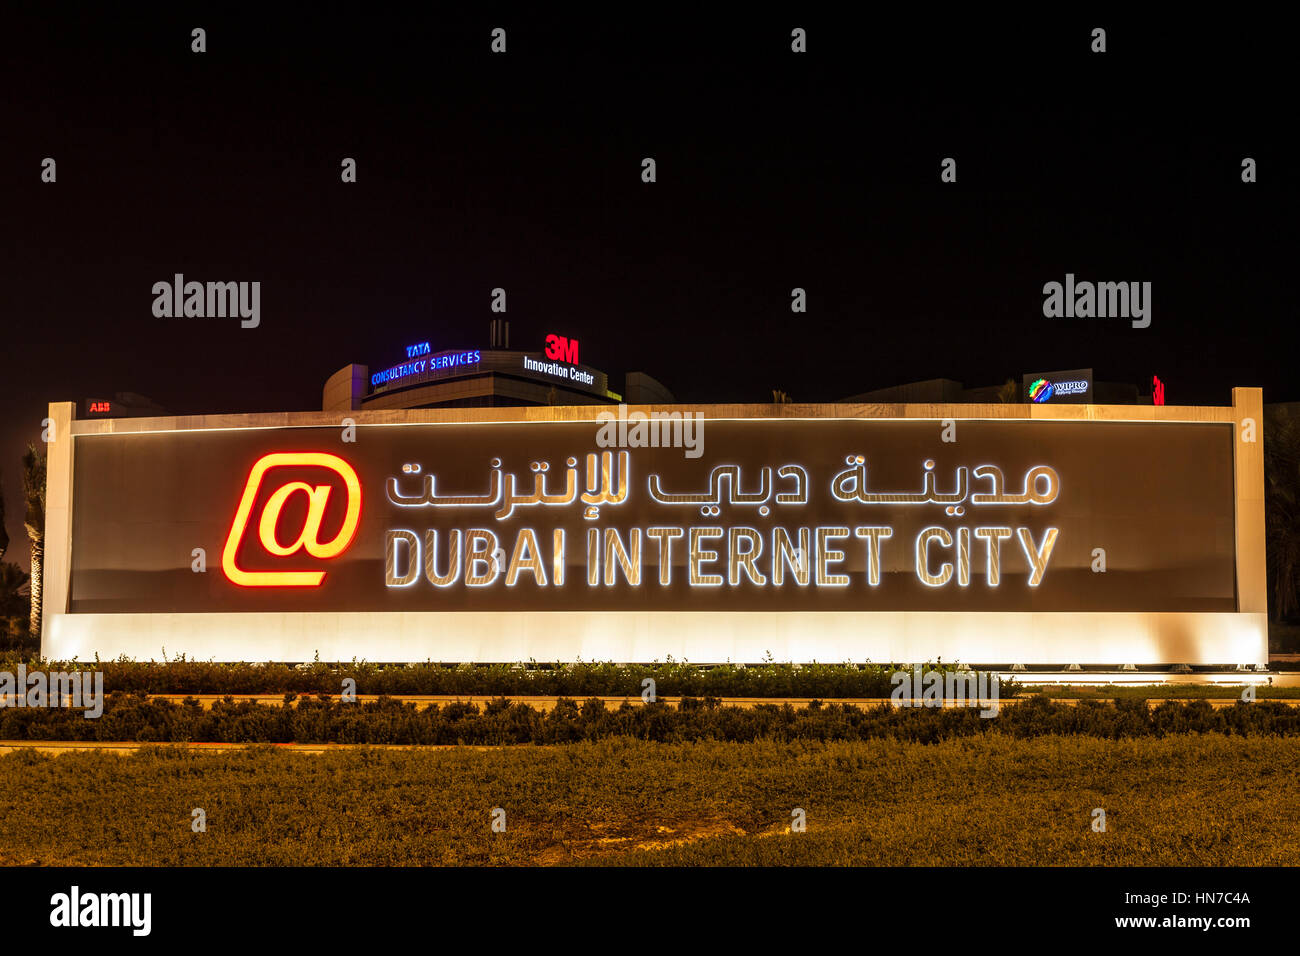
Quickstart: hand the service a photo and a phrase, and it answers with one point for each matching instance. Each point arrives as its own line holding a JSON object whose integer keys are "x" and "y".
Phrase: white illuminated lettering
{"x": 527, "y": 556}
{"x": 593, "y": 557}
{"x": 786, "y": 554}
{"x": 826, "y": 555}
{"x": 1038, "y": 556}
{"x": 963, "y": 557}
{"x": 739, "y": 559}
{"x": 993, "y": 542}
{"x": 873, "y": 537}
{"x": 431, "y": 559}
{"x": 557, "y": 557}
{"x": 700, "y": 554}
{"x": 392, "y": 540}
{"x": 922, "y": 559}
{"x": 481, "y": 546}
{"x": 665, "y": 538}
{"x": 628, "y": 559}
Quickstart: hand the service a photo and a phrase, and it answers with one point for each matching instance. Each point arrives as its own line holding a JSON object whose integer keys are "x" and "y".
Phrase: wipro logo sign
{"x": 307, "y": 523}
{"x": 1042, "y": 390}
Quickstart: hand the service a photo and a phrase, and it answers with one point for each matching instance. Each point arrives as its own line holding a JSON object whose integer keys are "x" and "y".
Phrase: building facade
{"x": 485, "y": 378}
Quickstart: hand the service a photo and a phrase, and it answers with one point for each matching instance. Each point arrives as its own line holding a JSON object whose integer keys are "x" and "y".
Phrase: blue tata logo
{"x": 421, "y": 366}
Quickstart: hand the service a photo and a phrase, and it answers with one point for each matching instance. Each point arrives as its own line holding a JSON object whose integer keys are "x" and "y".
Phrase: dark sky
{"x": 522, "y": 170}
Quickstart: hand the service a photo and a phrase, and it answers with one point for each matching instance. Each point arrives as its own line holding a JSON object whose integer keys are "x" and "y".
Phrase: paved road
{"x": 126, "y": 747}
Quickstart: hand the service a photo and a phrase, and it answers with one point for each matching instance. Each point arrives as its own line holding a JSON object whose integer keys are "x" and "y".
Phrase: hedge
{"x": 386, "y": 721}
{"x": 582, "y": 680}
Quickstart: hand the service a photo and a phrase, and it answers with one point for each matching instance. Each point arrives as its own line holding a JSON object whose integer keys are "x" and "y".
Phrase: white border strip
{"x": 988, "y": 637}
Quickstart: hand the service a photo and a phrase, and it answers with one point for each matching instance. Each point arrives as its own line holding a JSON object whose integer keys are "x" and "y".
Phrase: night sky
{"x": 523, "y": 170}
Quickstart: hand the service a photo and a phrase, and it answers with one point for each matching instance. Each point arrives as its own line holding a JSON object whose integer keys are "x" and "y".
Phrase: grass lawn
{"x": 1186, "y": 799}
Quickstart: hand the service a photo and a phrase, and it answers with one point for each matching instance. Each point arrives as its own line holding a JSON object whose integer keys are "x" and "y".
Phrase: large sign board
{"x": 787, "y": 517}
{"x": 990, "y": 534}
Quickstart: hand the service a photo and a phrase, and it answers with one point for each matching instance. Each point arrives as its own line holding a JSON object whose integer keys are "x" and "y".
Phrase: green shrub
{"x": 129, "y": 717}
{"x": 581, "y": 680}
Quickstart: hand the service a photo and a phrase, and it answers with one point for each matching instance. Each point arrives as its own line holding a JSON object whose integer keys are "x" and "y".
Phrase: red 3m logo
{"x": 561, "y": 349}
{"x": 309, "y": 538}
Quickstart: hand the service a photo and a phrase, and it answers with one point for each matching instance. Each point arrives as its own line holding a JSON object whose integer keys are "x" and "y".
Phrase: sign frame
{"x": 986, "y": 638}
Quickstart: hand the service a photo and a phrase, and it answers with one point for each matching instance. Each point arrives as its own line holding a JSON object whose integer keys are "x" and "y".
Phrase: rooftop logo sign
{"x": 1073, "y": 386}
{"x": 433, "y": 363}
{"x": 559, "y": 370}
{"x": 562, "y": 349}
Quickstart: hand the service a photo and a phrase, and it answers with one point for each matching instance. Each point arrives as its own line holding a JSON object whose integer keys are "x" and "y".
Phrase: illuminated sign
{"x": 1157, "y": 391}
{"x": 778, "y": 516}
{"x": 413, "y": 351}
{"x": 94, "y": 407}
{"x": 317, "y": 496}
{"x": 1074, "y": 387}
{"x": 570, "y": 372}
{"x": 443, "y": 360}
{"x": 562, "y": 349}
{"x": 1040, "y": 390}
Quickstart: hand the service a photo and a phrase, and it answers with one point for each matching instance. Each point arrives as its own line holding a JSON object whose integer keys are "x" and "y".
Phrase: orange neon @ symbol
{"x": 309, "y": 539}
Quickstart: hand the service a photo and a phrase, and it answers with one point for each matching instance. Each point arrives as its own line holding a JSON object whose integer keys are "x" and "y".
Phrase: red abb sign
{"x": 562, "y": 349}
